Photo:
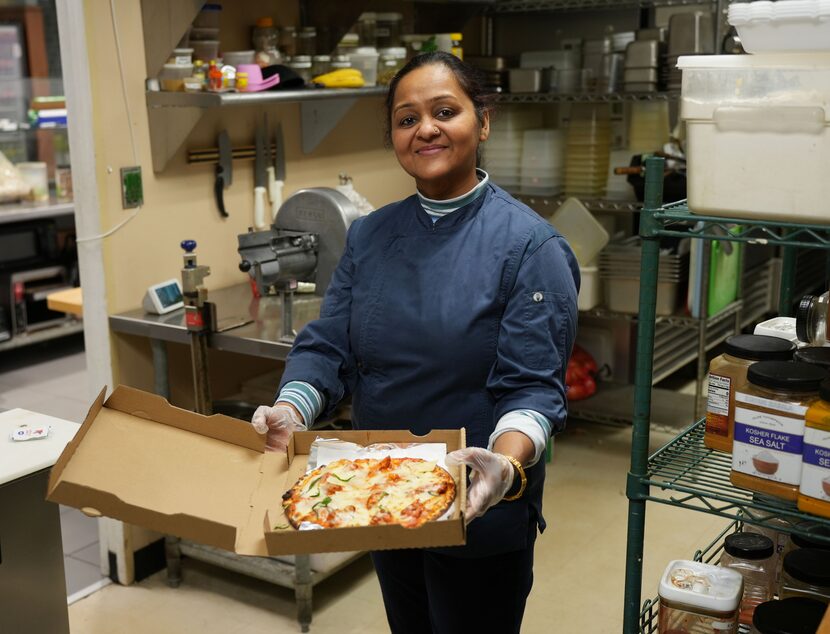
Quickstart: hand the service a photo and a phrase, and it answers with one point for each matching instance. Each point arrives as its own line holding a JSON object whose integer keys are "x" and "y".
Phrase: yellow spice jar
{"x": 770, "y": 413}
{"x": 814, "y": 490}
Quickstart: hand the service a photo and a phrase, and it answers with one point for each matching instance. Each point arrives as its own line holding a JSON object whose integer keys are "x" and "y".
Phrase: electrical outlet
{"x": 132, "y": 189}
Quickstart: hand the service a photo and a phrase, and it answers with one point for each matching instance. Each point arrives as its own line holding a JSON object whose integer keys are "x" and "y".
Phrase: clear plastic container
{"x": 205, "y": 50}
{"x": 811, "y": 319}
{"x": 584, "y": 233}
{"x": 648, "y": 127}
{"x": 727, "y": 373}
{"x": 320, "y": 65}
{"x": 806, "y": 573}
{"x": 736, "y": 107}
{"x": 182, "y": 56}
{"x": 788, "y": 615}
{"x": 770, "y": 412}
{"x": 288, "y": 41}
{"x": 339, "y": 62}
{"x": 365, "y": 59}
{"x": 390, "y": 61}
{"x": 172, "y": 76}
{"x": 265, "y": 38}
{"x": 782, "y": 27}
{"x": 775, "y": 529}
{"x": 366, "y": 29}
{"x": 307, "y": 41}
{"x": 235, "y": 58}
{"x": 814, "y": 490}
{"x": 751, "y": 555}
{"x": 388, "y": 28}
{"x": 698, "y": 597}
{"x": 36, "y": 176}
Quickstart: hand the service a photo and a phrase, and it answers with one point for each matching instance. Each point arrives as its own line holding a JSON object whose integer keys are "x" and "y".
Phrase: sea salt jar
{"x": 770, "y": 413}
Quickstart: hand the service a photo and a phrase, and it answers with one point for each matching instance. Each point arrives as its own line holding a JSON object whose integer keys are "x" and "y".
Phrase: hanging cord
{"x": 122, "y": 76}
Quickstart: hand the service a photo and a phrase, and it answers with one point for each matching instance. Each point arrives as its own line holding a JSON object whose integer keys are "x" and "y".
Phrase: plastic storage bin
{"x": 698, "y": 597}
{"x": 205, "y": 50}
{"x": 590, "y": 289}
{"x": 783, "y": 26}
{"x": 737, "y": 107}
{"x": 583, "y": 232}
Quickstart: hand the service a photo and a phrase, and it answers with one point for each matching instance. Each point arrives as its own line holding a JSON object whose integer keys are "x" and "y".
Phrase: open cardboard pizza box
{"x": 140, "y": 460}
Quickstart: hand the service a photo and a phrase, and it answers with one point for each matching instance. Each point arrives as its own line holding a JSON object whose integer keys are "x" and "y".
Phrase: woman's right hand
{"x": 278, "y": 422}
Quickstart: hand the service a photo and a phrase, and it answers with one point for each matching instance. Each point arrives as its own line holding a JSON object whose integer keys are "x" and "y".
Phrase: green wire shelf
{"x": 708, "y": 555}
{"x": 584, "y": 97}
{"x": 785, "y": 234}
{"x": 524, "y": 6}
{"x": 696, "y": 477}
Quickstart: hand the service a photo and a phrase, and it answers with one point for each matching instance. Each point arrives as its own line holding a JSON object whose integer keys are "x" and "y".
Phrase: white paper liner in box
{"x": 326, "y": 450}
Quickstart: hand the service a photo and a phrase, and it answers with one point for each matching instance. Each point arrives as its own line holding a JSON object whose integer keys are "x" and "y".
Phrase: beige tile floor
{"x": 579, "y": 568}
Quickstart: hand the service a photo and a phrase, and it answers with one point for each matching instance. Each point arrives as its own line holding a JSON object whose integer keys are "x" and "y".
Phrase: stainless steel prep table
{"x": 260, "y": 337}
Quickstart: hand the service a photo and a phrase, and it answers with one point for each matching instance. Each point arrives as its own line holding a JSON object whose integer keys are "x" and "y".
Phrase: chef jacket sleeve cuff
{"x": 532, "y": 424}
{"x": 305, "y": 397}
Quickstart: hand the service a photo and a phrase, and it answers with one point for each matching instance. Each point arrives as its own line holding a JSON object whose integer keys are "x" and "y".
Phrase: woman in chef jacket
{"x": 455, "y": 307}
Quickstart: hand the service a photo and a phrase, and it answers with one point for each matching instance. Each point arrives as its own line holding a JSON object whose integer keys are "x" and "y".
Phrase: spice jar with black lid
{"x": 806, "y": 573}
{"x": 751, "y": 555}
{"x": 788, "y": 616}
{"x": 727, "y": 373}
{"x": 770, "y": 415}
{"x": 816, "y": 356}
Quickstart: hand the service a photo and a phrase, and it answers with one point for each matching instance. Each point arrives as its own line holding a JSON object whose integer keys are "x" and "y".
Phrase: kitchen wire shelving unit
{"x": 684, "y": 473}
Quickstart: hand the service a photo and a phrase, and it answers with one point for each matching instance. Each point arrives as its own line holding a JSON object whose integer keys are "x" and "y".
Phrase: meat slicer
{"x": 304, "y": 244}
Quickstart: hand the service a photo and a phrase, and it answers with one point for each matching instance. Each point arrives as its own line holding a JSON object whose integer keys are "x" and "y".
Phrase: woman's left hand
{"x": 492, "y": 477}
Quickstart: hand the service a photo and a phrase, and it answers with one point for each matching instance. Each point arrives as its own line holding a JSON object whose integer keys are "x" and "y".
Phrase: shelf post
{"x": 635, "y": 489}
{"x": 786, "y": 296}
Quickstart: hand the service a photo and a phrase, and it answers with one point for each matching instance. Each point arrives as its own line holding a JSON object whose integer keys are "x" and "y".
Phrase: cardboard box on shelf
{"x": 140, "y": 460}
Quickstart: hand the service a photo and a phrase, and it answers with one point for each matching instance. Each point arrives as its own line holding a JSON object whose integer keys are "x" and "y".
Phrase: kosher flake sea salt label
{"x": 768, "y": 445}
{"x": 815, "y": 473}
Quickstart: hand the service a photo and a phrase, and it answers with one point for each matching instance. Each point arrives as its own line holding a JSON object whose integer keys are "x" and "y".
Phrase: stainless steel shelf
{"x": 546, "y": 205}
{"x": 15, "y": 212}
{"x": 163, "y": 99}
{"x": 586, "y": 97}
{"x": 70, "y": 327}
{"x": 525, "y": 6}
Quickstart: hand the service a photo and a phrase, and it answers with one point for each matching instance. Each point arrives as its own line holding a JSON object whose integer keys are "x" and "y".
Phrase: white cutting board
{"x": 19, "y": 459}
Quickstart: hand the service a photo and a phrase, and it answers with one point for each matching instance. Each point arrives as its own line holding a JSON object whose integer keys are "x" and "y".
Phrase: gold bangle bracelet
{"x": 522, "y": 475}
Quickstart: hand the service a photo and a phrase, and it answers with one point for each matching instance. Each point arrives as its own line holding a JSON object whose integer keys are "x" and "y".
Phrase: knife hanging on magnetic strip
{"x": 224, "y": 171}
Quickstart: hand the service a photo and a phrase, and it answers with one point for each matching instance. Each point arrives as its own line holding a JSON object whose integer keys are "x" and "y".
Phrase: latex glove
{"x": 492, "y": 475}
{"x": 279, "y": 422}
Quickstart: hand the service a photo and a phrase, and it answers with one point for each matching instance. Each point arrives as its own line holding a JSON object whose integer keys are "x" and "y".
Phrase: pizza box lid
{"x": 138, "y": 459}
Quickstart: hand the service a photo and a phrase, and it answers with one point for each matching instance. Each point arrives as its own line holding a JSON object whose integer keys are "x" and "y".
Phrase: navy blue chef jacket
{"x": 449, "y": 325}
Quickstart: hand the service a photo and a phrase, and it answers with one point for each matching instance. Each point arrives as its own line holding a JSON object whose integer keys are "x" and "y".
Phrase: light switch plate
{"x": 132, "y": 188}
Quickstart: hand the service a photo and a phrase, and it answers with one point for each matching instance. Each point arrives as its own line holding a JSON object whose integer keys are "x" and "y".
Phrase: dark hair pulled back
{"x": 470, "y": 78}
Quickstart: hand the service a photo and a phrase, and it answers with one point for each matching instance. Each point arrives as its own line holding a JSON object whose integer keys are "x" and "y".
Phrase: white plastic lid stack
{"x": 782, "y": 26}
{"x": 703, "y": 586}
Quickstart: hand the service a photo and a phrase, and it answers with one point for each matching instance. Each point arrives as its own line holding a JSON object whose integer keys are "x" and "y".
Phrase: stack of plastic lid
{"x": 543, "y": 162}
{"x": 785, "y": 26}
{"x": 648, "y": 126}
{"x": 502, "y": 155}
{"x": 587, "y": 150}
{"x": 618, "y": 187}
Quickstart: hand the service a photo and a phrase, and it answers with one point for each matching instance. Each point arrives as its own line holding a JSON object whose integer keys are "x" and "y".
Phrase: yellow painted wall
{"x": 179, "y": 202}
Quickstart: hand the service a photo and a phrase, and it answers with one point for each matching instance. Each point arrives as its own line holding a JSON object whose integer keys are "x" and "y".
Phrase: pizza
{"x": 370, "y": 492}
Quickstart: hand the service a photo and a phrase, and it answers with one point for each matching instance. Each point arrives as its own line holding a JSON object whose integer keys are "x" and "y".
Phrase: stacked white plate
{"x": 502, "y": 152}
{"x": 543, "y": 162}
{"x": 785, "y": 26}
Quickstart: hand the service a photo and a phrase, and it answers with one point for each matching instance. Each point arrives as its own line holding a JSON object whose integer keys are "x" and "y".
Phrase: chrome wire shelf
{"x": 708, "y": 555}
{"x": 524, "y": 6}
{"x": 585, "y": 97}
{"x": 752, "y": 231}
{"x": 697, "y": 478}
{"x": 546, "y": 205}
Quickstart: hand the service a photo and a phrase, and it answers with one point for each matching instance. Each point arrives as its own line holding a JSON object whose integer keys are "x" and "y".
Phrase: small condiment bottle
{"x": 727, "y": 373}
{"x": 806, "y": 573}
{"x": 242, "y": 82}
{"x": 751, "y": 555}
{"x": 214, "y": 77}
{"x": 199, "y": 71}
{"x": 770, "y": 412}
{"x": 814, "y": 490}
{"x": 788, "y": 616}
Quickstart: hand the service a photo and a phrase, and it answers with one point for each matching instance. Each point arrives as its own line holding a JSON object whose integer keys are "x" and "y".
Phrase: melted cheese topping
{"x": 365, "y": 492}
